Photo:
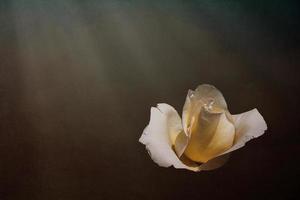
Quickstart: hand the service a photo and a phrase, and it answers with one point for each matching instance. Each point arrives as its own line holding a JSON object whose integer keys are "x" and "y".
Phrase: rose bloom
{"x": 206, "y": 134}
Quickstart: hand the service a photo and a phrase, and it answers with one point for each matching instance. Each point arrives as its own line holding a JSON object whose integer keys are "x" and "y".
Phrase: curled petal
{"x": 177, "y": 137}
{"x": 187, "y": 109}
{"x": 157, "y": 140}
{"x": 248, "y": 125}
{"x": 181, "y": 143}
{"x": 173, "y": 121}
{"x": 204, "y": 94}
{"x": 211, "y": 135}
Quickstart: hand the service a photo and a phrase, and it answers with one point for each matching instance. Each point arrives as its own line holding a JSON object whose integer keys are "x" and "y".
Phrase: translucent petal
{"x": 204, "y": 95}
{"x": 208, "y": 93}
{"x": 211, "y": 135}
{"x": 181, "y": 143}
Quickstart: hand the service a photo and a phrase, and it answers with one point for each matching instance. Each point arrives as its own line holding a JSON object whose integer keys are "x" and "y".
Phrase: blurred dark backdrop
{"x": 78, "y": 78}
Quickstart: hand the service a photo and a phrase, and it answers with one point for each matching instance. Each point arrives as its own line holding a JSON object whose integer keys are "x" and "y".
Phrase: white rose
{"x": 207, "y": 132}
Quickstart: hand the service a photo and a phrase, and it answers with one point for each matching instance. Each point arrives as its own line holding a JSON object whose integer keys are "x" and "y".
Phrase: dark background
{"x": 78, "y": 78}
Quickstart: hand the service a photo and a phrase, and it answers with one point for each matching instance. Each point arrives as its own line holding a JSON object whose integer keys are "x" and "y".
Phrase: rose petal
{"x": 207, "y": 92}
{"x": 176, "y": 134}
{"x": 157, "y": 141}
{"x": 173, "y": 120}
{"x": 187, "y": 108}
{"x": 248, "y": 125}
{"x": 212, "y": 134}
{"x": 181, "y": 143}
{"x": 204, "y": 94}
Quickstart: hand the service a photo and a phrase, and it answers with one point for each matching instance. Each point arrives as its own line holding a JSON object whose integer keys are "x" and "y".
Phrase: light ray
{"x": 60, "y": 60}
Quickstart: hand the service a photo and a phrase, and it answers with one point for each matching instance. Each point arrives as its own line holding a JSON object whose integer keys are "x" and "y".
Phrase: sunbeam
{"x": 60, "y": 59}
